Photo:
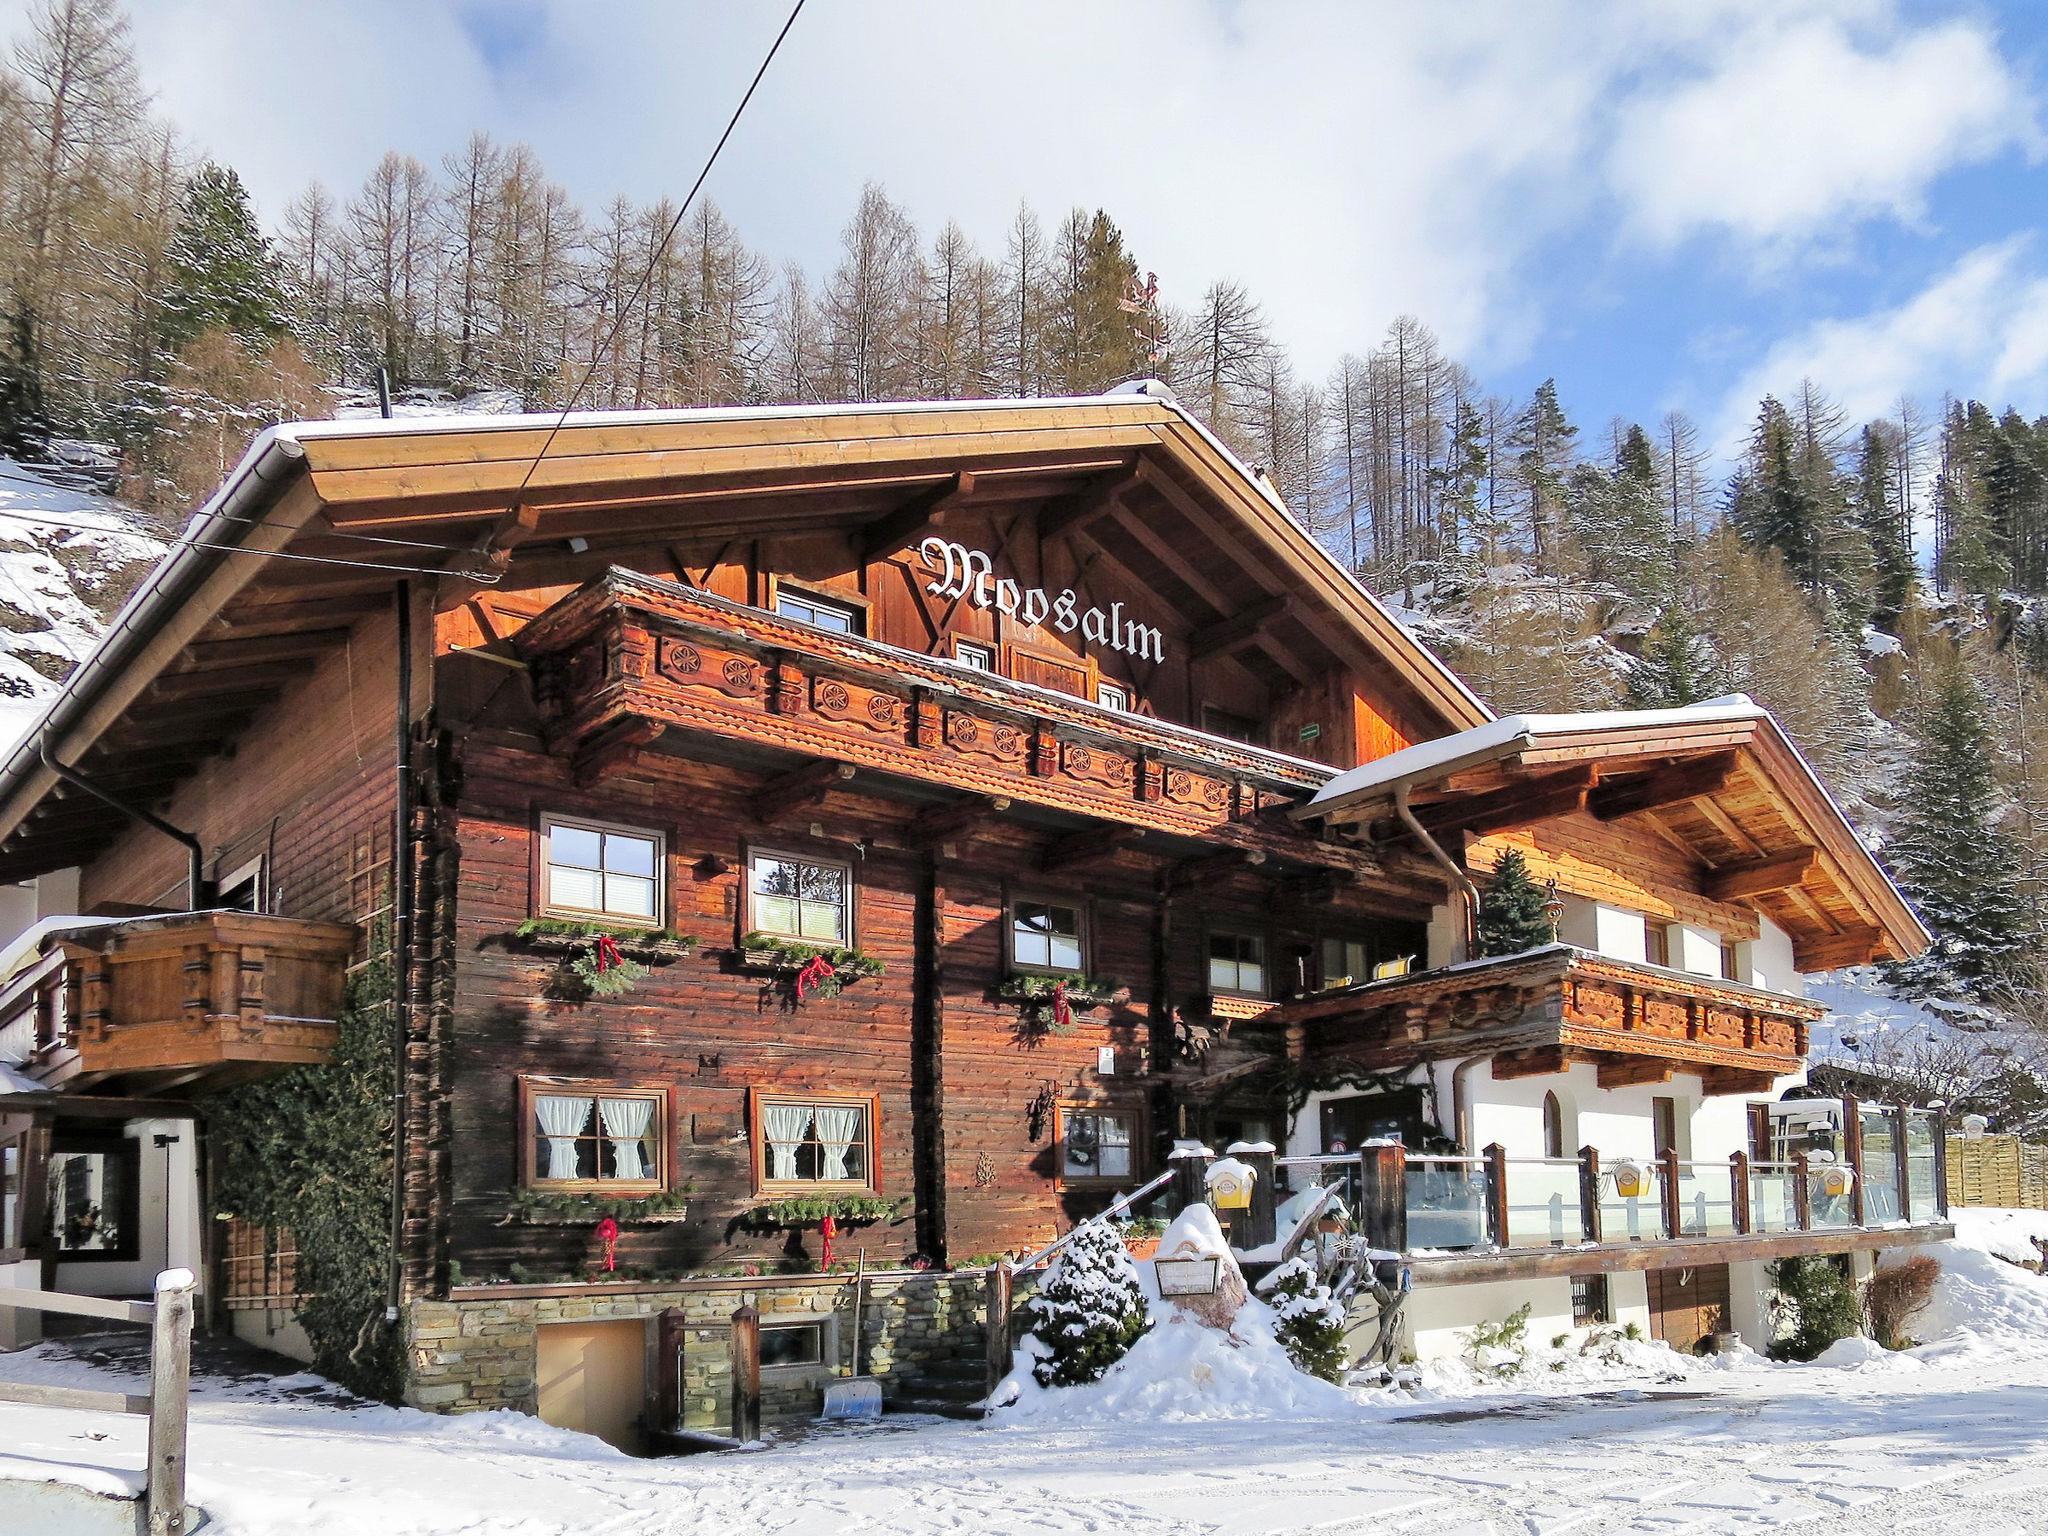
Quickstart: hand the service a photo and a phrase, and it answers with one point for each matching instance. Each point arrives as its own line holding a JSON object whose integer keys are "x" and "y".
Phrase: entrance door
{"x": 1686, "y": 1305}
{"x": 593, "y": 1377}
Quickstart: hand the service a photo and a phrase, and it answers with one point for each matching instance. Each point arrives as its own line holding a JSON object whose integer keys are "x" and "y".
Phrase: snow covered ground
{"x": 1949, "y": 1437}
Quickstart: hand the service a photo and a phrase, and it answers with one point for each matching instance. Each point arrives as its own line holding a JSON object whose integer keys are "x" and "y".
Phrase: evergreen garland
{"x": 1511, "y": 915}
{"x": 1309, "y": 1320}
{"x": 310, "y": 1150}
{"x": 1090, "y": 1310}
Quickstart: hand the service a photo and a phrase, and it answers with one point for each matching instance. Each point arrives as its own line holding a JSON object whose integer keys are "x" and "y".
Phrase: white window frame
{"x": 784, "y": 856}
{"x": 1133, "y": 1131}
{"x": 1264, "y": 963}
{"x": 1113, "y": 696}
{"x": 549, "y": 821}
{"x": 989, "y": 662}
{"x": 1046, "y": 967}
{"x": 253, "y": 871}
{"x": 856, "y": 619}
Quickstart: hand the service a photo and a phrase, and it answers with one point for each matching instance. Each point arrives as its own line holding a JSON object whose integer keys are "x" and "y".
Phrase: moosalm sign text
{"x": 958, "y": 571}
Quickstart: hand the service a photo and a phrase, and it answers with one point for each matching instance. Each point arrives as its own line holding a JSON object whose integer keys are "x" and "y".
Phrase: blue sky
{"x": 1663, "y": 203}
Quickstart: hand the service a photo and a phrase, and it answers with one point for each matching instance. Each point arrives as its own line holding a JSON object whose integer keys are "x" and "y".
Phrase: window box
{"x": 562, "y": 936}
{"x": 788, "y": 959}
{"x": 539, "y": 1208}
{"x": 1039, "y": 998}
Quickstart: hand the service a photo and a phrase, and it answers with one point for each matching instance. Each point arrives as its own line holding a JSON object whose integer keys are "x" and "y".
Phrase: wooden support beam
{"x": 1720, "y": 1080}
{"x": 1853, "y": 946}
{"x": 1189, "y": 874}
{"x": 890, "y": 533}
{"x": 1666, "y": 786}
{"x": 1626, "y": 1071}
{"x": 1072, "y": 513}
{"x": 1754, "y": 877}
{"x": 1538, "y": 1061}
{"x": 604, "y": 753}
{"x": 264, "y": 677}
{"x": 1516, "y": 805}
{"x": 1087, "y": 845}
{"x": 957, "y": 822}
{"x": 798, "y": 788}
{"x": 1241, "y": 628}
{"x": 208, "y": 655}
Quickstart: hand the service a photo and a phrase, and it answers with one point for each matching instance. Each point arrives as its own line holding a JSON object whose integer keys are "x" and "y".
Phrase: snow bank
{"x": 2001, "y": 1230}
{"x": 1982, "y": 1297}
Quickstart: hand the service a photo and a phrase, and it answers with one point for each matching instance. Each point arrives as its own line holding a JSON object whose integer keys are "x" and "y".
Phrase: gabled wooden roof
{"x": 321, "y": 520}
{"x": 1720, "y": 778}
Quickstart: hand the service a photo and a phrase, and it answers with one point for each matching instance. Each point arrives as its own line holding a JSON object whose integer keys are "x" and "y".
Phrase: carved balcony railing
{"x": 1539, "y": 1011}
{"x": 630, "y": 659}
{"x": 160, "y": 1002}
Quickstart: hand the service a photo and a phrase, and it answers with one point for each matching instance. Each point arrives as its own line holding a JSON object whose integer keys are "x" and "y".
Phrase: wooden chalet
{"x": 1118, "y": 812}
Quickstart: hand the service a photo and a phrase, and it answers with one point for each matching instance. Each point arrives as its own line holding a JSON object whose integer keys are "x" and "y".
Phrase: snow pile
{"x": 1981, "y": 1297}
{"x": 2002, "y": 1231}
{"x": 1865, "y": 1356}
{"x": 1578, "y": 1357}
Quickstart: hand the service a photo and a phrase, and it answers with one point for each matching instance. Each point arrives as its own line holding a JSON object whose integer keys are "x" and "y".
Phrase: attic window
{"x": 839, "y": 618}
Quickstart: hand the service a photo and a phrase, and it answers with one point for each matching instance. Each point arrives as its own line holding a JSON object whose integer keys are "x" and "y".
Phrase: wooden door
{"x": 593, "y": 1377}
{"x": 1689, "y": 1304}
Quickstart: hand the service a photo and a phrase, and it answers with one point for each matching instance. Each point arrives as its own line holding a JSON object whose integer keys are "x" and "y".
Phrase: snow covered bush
{"x": 1896, "y": 1294}
{"x": 1502, "y": 1348}
{"x": 1089, "y": 1312}
{"x": 1308, "y": 1320}
{"x": 1820, "y": 1301}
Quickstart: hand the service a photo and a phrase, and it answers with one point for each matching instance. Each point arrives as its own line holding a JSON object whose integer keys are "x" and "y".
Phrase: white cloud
{"x": 1794, "y": 128}
{"x": 1979, "y": 328}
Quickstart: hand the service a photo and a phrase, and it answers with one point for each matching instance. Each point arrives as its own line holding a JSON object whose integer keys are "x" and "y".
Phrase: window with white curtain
{"x": 583, "y": 1136}
{"x": 589, "y": 869}
{"x": 815, "y": 1140}
{"x": 793, "y": 898}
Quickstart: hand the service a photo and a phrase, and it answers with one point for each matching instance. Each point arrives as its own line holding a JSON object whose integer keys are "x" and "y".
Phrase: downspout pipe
{"x": 401, "y": 938}
{"x": 1461, "y": 1101}
{"x": 1468, "y": 893}
{"x": 197, "y": 896}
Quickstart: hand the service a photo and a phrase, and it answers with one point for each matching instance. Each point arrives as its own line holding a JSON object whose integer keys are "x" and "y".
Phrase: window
{"x": 1391, "y": 948}
{"x": 839, "y": 618}
{"x": 814, "y": 1139}
{"x": 796, "y": 898}
{"x": 1113, "y": 696}
{"x": 1221, "y": 722}
{"x": 596, "y": 1136}
{"x": 1731, "y": 962}
{"x": 1237, "y": 963}
{"x": 594, "y": 870}
{"x": 969, "y": 653}
{"x": 1097, "y": 1143}
{"x": 10, "y": 1192}
{"x": 785, "y": 1344}
{"x": 1589, "y": 1301}
{"x": 92, "y": 1183}
{"x": 1664, "y": 1125}
{"x": 1045, "y": 936}
{"x": 1656, "y": 942}
{"x": 242, "y": 891}
{"x": 1553, "y": 1126}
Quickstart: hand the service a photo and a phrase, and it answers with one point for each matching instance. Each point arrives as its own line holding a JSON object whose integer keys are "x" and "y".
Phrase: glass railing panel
{"x": 1446, "y": 1202}
{"x": 1829, "y": 1209}
{"x": 1543, "y": 1203}
{"x": 1922, "y": 1176}
{"x": 1773, "y": 1197}
{"x": 1706, "y": 1200}
{"x": 1880, "y": 1167}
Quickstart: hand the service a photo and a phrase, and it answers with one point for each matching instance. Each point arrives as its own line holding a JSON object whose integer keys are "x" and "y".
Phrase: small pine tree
{"x": 1311, "y": 1320}
{"x": 220, "y": 271}
{"x": 1511, "y": 915}
{"x": 1675, "y": 668}
{"x": 24, "y": 416}
{"x": 1089, "y": 1312}
{"x": 1821, "y": 1301}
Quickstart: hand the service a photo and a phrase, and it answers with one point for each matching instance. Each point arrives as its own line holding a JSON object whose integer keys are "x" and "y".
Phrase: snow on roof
{"x": 13, "y": 1081}
{"x": 1497, "y": 737}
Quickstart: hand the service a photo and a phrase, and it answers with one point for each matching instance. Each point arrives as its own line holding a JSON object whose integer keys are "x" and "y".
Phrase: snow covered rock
{"x": 1196, "y": 1234}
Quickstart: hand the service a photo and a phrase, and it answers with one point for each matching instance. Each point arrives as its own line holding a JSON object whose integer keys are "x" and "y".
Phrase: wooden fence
{"x": 165, "y": 1405}
{"x": 1997, "y": 1170}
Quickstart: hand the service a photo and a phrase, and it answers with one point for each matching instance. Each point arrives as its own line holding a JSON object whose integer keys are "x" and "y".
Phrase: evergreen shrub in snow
{"x": 1089, "y": 1312}
{"x": 1511, "y": 915}
{"x": 1308, "y": 1320}
{"x": 1821, "y": 1302}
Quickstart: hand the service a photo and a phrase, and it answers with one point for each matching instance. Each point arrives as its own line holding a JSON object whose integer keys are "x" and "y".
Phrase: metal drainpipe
{"x": 401, "y": 939}
{"x": 1468, "y": 893}
{"x": 195, "y": 878}
{"x": 1461, "y": 1107}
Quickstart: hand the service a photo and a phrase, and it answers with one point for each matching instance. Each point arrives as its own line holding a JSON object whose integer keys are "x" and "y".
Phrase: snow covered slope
{"x": 68, "y": 556}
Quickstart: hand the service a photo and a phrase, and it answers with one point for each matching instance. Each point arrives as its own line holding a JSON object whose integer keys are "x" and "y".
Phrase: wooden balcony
{"x": 1540, "y": 1011}
{"x": 631, "y": 665}
{"x": 158, "y": 1003}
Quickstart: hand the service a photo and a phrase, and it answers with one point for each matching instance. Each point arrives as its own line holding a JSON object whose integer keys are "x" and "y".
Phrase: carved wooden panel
{"x": 1184, "y": 787}
{"x": 979, "y": 737}
{"x": 1097, "y": 765}
{"x": 871, "y": 709}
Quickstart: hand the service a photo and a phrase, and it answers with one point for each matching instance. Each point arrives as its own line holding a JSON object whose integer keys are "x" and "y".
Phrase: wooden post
{"x": 996, "y": 1290}
{"x": 1589, "y": 1192}
{"x": 1738, "y": 1191}
{"x": 746, "y": 1375}
{"x": 1900, "y": 1161}
{"x": 1190, "y": 1176}
{"x": 1256, "y": 1226}
{"x": 1940, "y": 1113}
{"x": 1383, "y": 1197}
{"x": 1667, "y": 1161}
{"x": 1496, "y": 1157}
{"x": 170, "y": 1380}
{"x": 666, "y": 1398}
{"x": 1852, "y": 1143}
{"x": 1802, "y": 1191}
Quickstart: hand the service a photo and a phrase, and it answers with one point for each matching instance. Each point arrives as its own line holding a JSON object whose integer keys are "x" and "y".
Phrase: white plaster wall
{"x": 167, "y": 1213}
{"x": 18, "y": 1325}
{"x": 1769, "y": 960}
{"x": 1749, "y": 1313}
{"x": 1628, "y": 1299}
{"x": 1696, "y": 950}
{"x": 1445, "y": 935}
{"x": 1620, "y": 934}
{"x": 272, "y": 1328}
{"x": 22, "y": 905}
{"x": 1438, "y": 1317}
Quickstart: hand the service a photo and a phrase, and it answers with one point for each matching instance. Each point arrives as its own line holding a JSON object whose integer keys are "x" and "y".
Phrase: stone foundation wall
{"x": 478, "y": 1352}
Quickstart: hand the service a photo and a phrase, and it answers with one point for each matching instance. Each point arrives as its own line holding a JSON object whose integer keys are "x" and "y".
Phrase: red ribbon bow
{"x": 814, "y": 975}
{"x": 608, "y": 1234}
{"x": 1062, "y": 1014}
{"x": 830, "y": 1229}
{"x": 608, "y": 953}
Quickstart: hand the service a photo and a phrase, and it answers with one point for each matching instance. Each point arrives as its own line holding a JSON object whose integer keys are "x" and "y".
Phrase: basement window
{"x": 786, "y": 1344}
{"x": 590, "y": 869}
{"x": 1589, "y": 1301}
